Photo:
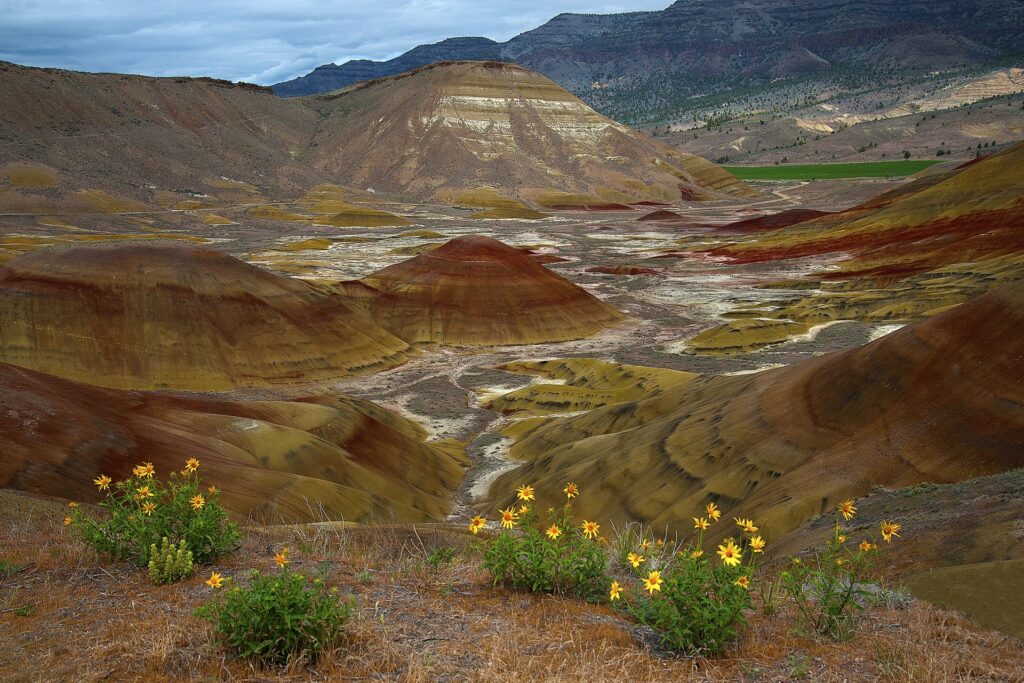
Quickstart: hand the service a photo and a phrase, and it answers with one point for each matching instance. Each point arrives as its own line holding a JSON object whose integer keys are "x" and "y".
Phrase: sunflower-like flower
{"x": 523, "y": 509}
{"x": 197, "y": 501}
{"x": 68, "y": 521}
{"x": 714, "y": 514}
{"x": 102, "y": 482}
{"x": 212, "y": 489}
{"x": 553, "y": 532}
{"x": 867, "y": 546}
{"x": 730, "y": 553}
{"x": 191, "y": 465}
{"x": 148, "y": 508}
{"x": 72, "y": 504}
{"x": 615, "y": 592}
{"x": 525, "y": 492}
{"x": 746, "y": 524}
{"x": 890, "y": 529}
{"x": 653, "y": 582}
{"x": 571, "y": 490}
{"x": 697, "y": 554}
{"x": 508, "y": 518}
{"x": 281, "y": 558}
{"x": 841, "y": 538}
{"x": 144, "y": 470}
{"x": 143, "y": 492}
{"x": 645, "y": 544}
{"x": 215, "y": 580}
{"x": 743, "y": 582}
{"x": 590, "y": 529}
{"x": 700, "y": 523}
{"x": 635, "y": 560}
{"x": 757, "y": 544}
{"x": 476, "y": 524}
{"x": 847, "y": 509}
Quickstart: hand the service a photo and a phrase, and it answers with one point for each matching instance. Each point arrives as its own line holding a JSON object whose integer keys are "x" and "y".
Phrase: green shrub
{"x": 142, "y": 510}
{"x": 695, "y": 604}
{"x": 554, "y": 557}
{"x": 829, "y": 589}
{"x": 277, "y": 618}
{"x": 169, "y": 562}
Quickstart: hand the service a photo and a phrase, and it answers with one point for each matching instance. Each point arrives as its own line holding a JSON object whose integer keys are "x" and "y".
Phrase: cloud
{"x": 260, "y": 41}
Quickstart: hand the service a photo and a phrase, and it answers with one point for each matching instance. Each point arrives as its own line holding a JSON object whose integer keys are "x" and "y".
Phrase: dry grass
{"x": 67, "y": 615}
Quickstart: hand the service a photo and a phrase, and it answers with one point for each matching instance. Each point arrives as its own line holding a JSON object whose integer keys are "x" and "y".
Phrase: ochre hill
{"x": 78, "y": 143}
{"x": 165, "y": 316}
{"x": 308, "y": 460}
{"x": 460, "y": 126}
{"x": 938, "y": 401}
{"x": 972, "y": 212}
{"x": 477, "y": 291}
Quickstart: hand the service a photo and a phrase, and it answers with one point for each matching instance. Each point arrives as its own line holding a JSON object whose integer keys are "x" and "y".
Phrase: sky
{"x": 258, "y": 41}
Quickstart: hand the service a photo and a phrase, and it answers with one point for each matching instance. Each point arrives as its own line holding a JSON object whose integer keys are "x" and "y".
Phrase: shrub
{"x": 556, "y": 556}
{"x": 278, "y": 618}
{"x": 829, "y": 589}
{"x": 142, "y": 510}
{"x": 169, "y": 562}
{"x": 695, "y": 603}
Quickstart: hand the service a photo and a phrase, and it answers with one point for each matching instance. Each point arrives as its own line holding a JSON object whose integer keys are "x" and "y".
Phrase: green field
{"x": 865, "y": 169}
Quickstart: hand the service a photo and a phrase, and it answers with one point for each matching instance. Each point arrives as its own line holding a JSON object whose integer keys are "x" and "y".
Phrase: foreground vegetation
{"x": 866, "y": 169}
{"x": 425, "y": 607}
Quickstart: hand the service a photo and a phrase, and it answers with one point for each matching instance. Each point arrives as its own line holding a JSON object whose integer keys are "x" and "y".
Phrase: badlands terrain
{"x": 381, "y": 309}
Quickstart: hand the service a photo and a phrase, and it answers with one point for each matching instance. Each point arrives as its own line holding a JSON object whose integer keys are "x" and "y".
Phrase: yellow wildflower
{"x": 742, "y": 582}
{"x": 508, "y": 518}
{"x": 645, "y": 544}
{"x": 571, "y": 490}
{"x": 144, "y": 492}
{"x": 847, "y": 509}
{"x": 700, "y": 523}
{"x": 67, "y": 521}
{"x": 102, "y": 482}
{"x": 148, "y": 508}
{"x": 697, "y": 554}
{"x": 215, "y": 580}
{"x": 890, "y": 529}
{"x": 841, "y": 538}
{"x": 523, "y": 509}
{"x": 197, "y": 501}
{"x": 553, "y": 532}
{"x": 281, "y": 558}
{"x": 635, "y": 560}
{"x": 746, "y": 524}
{"x": 590, "y": 529}
{"x": 144, "y": 470}
{"x": 211, "y": 489}
{"x": 757, "y": 544}
{"x": 867, "y": 546}
{"x": 476, "y": 524}
{"x": 72, "y": 504}
{"x": 653, "y": 582}
{"x": 714, "y": 514}
{"x": 525, "y": 493}
{"x": 730, "y": 553}
{"x": 615, "y": 592}
{"x": 191, "y": 465}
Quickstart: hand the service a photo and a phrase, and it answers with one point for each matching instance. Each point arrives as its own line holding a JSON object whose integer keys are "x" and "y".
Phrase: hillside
{"x": 476, "y": 291}
{"x": 938, "y": 401}
{"x": 157, "y": 315}
{"x": 320, "y": 457}
{"x": 106, "y": 144}
{"x": 465, "y": 125}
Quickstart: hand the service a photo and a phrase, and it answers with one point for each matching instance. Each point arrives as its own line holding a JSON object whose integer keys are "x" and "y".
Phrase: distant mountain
{"x": 648, "y": 66}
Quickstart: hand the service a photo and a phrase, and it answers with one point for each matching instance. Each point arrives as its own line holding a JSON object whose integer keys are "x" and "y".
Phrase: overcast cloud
{"x": 257, "y": 41}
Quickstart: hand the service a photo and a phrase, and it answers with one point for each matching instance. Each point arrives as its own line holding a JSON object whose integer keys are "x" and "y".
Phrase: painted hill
{"x": 333, "y": 457}
{"x": 203, "y": 145}
{"x": 160, "y": 315}
{"x": 475, "y": 290}
{"x": 939, "y": 401}
{"x": 464, "y": 125}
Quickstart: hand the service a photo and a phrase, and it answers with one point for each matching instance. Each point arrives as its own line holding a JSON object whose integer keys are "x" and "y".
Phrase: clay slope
{"x": 475, "y": 290}
{"x": 464, "y": 125}
{"x": 973, "y": 212}
{"x": 333, "y": 457}
{"x": 939, "y": 401}
{"x": 158, "y": 316}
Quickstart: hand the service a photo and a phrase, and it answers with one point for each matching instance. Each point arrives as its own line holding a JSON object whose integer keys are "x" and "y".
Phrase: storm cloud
{"x": 257, "y": 41}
